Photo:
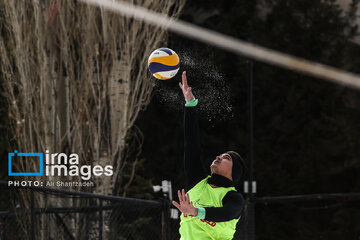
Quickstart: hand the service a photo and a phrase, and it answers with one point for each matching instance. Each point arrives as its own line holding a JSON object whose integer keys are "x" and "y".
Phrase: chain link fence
{"x": 60, "y": 214}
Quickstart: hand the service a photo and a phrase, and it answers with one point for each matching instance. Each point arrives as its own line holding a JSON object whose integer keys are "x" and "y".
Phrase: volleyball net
{"x": 273, "y": 212}
{"x": 104, "y": 217}
{"x": 229, "y": 43}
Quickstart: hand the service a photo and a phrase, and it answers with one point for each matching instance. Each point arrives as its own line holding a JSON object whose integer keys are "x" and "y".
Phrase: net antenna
{"x": 231, "y": 44}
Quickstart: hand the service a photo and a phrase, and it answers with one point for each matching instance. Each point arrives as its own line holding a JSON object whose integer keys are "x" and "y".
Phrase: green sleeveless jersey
{"x": 193, "y": 228}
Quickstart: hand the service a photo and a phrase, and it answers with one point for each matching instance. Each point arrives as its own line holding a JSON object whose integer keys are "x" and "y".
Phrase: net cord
{"x": 231, "y": 44}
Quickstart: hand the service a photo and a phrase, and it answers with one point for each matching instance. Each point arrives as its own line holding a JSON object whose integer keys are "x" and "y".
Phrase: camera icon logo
{"x": 11, "y": 156}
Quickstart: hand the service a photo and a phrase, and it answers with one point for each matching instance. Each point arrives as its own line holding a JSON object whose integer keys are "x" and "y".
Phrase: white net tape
{"x": 234, "y": 45}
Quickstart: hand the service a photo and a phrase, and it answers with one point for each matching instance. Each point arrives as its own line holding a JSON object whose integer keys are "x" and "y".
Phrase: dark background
{"x": 306, "y": 130}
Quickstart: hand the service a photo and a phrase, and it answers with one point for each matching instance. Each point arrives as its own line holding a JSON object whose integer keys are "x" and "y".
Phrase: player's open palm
{"x": 184, "y": 205}
{"x": 185, "y": 88}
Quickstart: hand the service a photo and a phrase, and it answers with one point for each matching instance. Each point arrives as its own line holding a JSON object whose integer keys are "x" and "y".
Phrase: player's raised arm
{"x": 211, "y": 205}
{"x": 193, "y": 167}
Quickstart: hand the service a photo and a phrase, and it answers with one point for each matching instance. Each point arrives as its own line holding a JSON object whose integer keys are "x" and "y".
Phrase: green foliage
{"x": 140, "y": 186}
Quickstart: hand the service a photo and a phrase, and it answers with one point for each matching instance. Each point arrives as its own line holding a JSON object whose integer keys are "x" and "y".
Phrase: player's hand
{"x": 185, "y": 88}
{"x": 185, "y": 206}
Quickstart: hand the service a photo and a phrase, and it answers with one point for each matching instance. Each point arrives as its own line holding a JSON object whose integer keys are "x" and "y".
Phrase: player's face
{"x": 222, "y": 165}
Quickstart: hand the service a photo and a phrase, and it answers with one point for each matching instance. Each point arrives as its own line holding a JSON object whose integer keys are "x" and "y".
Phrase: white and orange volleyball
{"x": 164, "y": 63}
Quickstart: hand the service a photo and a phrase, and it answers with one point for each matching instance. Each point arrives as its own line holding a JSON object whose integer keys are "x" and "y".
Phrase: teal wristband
{"x": 191, "y": 103}
{"x": 201, "y": 213}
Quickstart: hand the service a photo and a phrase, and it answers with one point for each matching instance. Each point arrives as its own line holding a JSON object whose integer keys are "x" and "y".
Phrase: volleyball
{"x": 164, "y": 63}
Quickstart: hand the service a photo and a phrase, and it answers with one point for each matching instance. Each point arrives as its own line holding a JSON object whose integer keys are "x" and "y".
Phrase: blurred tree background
{"x": 71, "y": 79}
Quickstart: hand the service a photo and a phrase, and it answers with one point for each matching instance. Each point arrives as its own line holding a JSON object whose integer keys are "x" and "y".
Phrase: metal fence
{"x": 60, "y": 214}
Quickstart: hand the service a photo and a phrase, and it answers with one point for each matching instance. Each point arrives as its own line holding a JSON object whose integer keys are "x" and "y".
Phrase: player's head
{"x": 230, "y": 165}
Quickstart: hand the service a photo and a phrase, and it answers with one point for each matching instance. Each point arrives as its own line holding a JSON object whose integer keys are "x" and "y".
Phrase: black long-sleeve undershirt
{"x": 193, "y": 168}
{"x": 233, "y": 201}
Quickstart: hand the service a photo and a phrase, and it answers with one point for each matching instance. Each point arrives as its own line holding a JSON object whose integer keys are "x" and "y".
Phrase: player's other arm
{"x": 233, "y": 204}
